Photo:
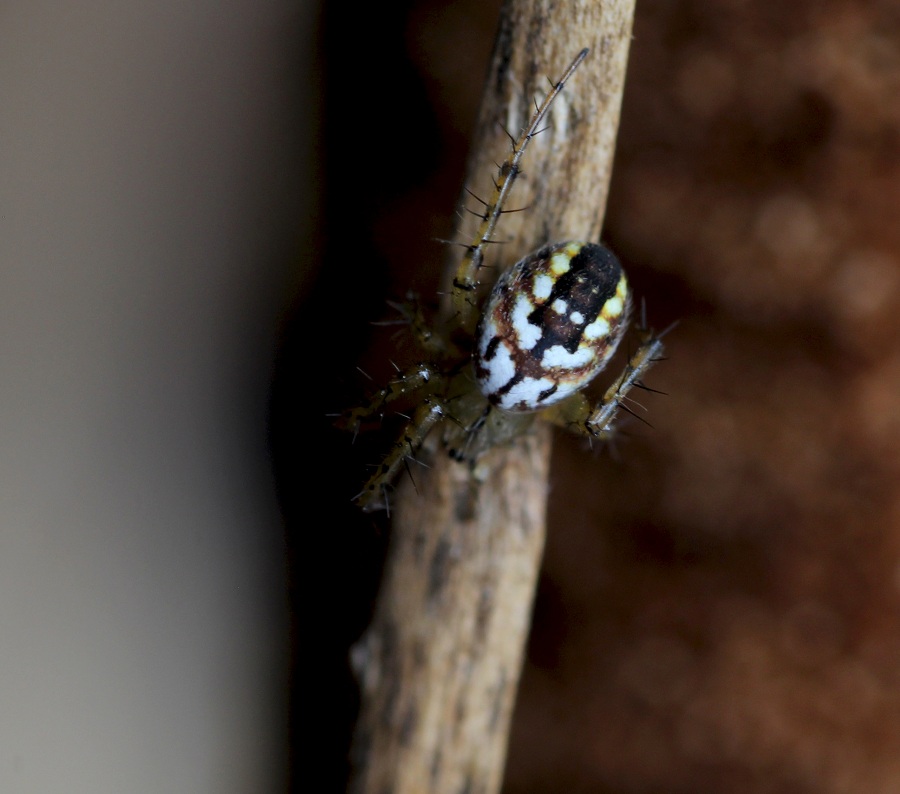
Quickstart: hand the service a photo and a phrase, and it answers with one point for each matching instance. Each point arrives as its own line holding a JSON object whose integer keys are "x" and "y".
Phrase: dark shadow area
{"x": 375, "y": 120}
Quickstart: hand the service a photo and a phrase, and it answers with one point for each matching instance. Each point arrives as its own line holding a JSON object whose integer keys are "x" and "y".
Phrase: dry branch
{"x": 440, "y": 664}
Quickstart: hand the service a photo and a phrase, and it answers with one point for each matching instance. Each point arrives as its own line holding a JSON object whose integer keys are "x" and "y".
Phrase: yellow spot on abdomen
{"x": 560, "y": 263}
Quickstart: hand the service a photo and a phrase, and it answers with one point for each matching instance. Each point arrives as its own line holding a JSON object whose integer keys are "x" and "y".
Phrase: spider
{"x": 549, "y": 325}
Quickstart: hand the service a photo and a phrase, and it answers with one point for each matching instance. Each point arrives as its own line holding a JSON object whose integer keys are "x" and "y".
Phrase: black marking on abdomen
{"x": 547, "y": 393}
{"x": 590, "y": 281}
{"x": 491, "y": 350}
{"x": 506, "y": 387}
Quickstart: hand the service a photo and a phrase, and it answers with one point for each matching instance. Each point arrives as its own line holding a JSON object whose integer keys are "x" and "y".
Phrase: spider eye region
{"x": 551, "y": 323}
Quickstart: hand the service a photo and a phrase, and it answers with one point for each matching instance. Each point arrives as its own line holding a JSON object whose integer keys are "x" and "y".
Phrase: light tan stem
{"x": 440, "y": 664}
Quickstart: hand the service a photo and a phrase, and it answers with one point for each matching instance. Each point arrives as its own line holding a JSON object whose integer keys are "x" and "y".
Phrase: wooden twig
{"x": 440, "y": 664}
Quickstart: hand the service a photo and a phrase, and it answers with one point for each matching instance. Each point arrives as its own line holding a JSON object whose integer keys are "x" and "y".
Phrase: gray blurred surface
{"x": 149, "y": 205}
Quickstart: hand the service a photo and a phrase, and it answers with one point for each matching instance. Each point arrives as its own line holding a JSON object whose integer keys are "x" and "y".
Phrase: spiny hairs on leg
{"x": 465, "y": 283}
{"x": 375, "y": 493}
{"x": 600, "y": 422}
{"x": 407, "y": 382}
{"x": 596, "y": 420}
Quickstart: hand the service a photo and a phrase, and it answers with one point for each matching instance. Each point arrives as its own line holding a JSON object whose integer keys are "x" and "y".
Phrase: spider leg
{"x": 465, "y": 282}
{"x": 578, "y": 415}
{"x": 412, "y": 315}
{"x": 373, "y": 496}
{"x": 412, "y": 380}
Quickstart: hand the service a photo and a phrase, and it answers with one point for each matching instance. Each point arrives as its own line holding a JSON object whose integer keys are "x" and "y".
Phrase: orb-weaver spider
{"x": 550, "y": 324}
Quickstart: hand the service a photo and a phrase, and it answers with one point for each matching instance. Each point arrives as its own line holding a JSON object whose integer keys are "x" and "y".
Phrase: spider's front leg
{"x": 374, "y": 494}
{"x": 421, "y": 376}
{"x": 425, "y": 376}
{"x": 432, "y": 344}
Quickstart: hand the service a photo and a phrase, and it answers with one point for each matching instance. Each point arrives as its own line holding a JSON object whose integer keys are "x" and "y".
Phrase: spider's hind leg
{"x": 578, "y": 415}
{"x": 466, "y": 279}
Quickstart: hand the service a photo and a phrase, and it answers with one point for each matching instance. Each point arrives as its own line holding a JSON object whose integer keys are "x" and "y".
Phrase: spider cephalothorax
{"x": 550, "y": 324}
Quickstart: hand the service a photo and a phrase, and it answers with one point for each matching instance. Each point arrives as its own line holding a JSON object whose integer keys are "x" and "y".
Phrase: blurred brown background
{"x": 718, "y": 609}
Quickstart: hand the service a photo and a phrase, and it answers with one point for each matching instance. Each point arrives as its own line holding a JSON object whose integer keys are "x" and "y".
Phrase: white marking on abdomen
{"x": 527, "y": 334}
{"x": 558, "y": 356}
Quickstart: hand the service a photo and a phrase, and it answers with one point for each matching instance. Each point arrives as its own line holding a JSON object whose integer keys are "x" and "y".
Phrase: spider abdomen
{"x": 551, "y": 323}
